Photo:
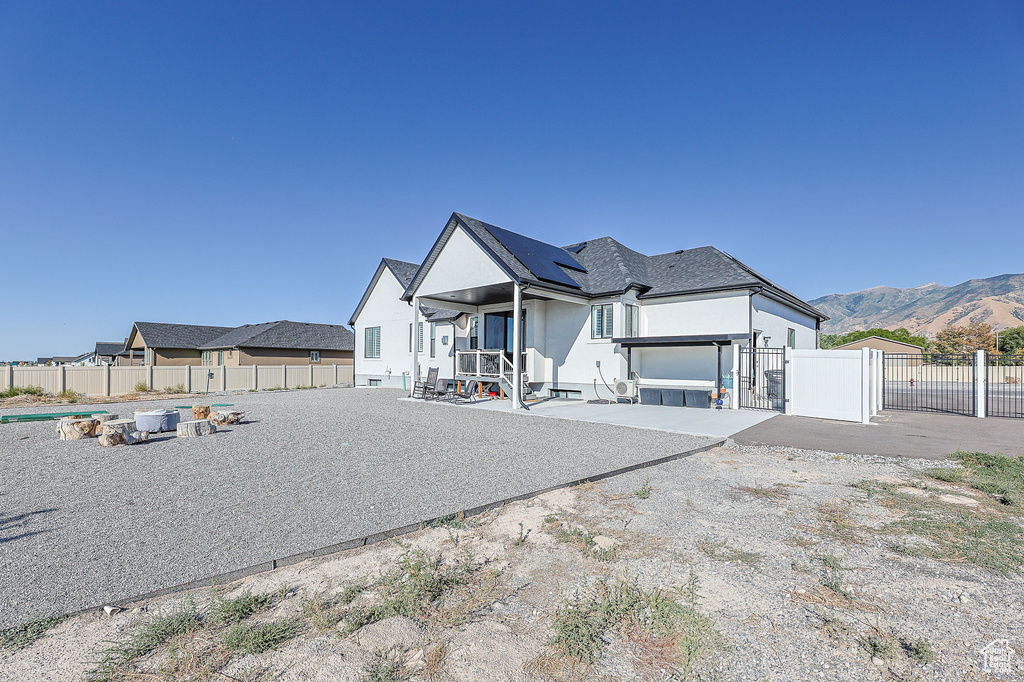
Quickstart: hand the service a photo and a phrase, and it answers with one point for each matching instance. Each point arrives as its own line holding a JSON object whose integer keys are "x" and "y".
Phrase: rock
{"x": 114, "y": 438}
{"x": 605, "y": 542}
{"x": 395, "y": 631}
{"x": 76, "y": 429}
{"x": 196, "y": 428}
{"x": 876, "y": 660}
{"x": 964, "y": 598}
{"x": 224, "y": 417}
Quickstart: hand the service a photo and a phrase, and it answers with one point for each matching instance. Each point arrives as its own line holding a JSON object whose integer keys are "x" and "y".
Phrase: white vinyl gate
{"x": 833, "y": 384}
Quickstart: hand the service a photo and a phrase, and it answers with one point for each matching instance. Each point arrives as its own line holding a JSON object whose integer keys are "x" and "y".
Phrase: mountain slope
{"x": 929, "y": 308}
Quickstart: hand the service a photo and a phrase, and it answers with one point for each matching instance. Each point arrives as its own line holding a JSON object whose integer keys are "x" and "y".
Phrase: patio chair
{"x": 465, "y": 395}
{"x": 441, "y": 391}
{"x": 425, "y": 389}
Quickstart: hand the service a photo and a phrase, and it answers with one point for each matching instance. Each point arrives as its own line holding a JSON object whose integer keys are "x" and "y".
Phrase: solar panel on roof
{"x": 575, "y": 248}
{"x": 539, "y": 258}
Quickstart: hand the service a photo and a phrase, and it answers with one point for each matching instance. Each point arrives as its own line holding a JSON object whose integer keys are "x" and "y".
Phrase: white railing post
{"x": 980, "y": 384}
{"x": 865, "y": 385}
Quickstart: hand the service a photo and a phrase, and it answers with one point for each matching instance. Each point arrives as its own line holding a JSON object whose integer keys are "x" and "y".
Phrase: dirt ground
{"x": 739, "y": 563}
{"x": 50, "y": 400}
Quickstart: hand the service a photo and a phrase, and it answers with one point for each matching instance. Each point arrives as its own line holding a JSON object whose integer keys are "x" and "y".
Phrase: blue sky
{"x": 223, "y": 163}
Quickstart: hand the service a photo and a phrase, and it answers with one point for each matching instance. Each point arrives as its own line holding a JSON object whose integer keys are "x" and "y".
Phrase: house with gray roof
{"x": 569, "y": 321}
{"x": 270, "y": 343}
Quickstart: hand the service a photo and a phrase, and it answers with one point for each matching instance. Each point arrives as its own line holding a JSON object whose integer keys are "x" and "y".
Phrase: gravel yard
{"x": 82, "y": 525}
{"x": 738, "y": 563}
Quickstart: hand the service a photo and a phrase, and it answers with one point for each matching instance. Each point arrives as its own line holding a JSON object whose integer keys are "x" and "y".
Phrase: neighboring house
{"x": 271, "y": 343}
{"x": 106, "y": 352}
{"x": 44, "y": 361}
{"x": 160, "y": 343}
{"x": 281, "y": 343}
{"x": 586, "y": 314}
{"x": 386, "y": 340}
{"x": 879, "y": 343}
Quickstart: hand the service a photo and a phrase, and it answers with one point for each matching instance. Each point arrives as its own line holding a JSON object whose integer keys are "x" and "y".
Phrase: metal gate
{"x": 763, "y": 378}
{"x": 930, "y": 382}
{"x": 1005, "y": 391}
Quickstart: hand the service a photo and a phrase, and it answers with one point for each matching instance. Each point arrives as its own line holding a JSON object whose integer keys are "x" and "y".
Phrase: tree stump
{"x": 118, "y": 438}
{"x": 195, "y": 428}
{"x": 76, "y": 429}
{"x": 121, "y": 432}
{"x": 225, "y": 417}
{"x": 102, "y": 418}
{"x": 200, "y": 412}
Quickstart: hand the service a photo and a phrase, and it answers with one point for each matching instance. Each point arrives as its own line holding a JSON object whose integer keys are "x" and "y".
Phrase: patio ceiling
{"x": 489, "y": 295}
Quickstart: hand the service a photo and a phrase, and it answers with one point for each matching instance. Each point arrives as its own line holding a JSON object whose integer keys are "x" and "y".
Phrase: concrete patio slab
{"x": 713, "y": 423}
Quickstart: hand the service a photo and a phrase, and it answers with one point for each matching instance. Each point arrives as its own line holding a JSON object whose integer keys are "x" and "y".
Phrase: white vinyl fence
{"x": 834, "y": 384}
{"x": 108, "y": 380}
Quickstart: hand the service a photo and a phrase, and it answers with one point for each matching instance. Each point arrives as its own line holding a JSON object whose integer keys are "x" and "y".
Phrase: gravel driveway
{"x": 82, "y": 525}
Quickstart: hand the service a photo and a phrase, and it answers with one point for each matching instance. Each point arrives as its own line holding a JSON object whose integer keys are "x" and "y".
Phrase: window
{"x": 229, "y": 354}
{"x": 566, "y": 393}
{"x": 419, "y": 338}
{"x": 314, "y": 356}
{"x": 149, "y": 357}
{"x": 371, "y": 348}
{"x": 207, "y": 358}
{"x": 376, "y": 382}
{"x": 601, "y": 321}
{"x": 433, "y": 339}
{"x": 632, "y": 320}
{"x": 791, "y": 338}
{"x": 474, "y": 332}
{"x": 410, "y": 337}
{"x": 220, "y": 358}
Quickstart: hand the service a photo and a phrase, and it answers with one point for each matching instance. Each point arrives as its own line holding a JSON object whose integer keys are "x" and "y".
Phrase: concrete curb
{"x": 266, "y": 566}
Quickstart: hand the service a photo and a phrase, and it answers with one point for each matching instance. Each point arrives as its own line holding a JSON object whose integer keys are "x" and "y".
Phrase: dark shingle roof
{"x": 612, "y": 268}
{"x": 402, "y": 270}
{"x": 286, "y": 334}
{"x": 109, "y": 347}
{"x": 167, "y": 335}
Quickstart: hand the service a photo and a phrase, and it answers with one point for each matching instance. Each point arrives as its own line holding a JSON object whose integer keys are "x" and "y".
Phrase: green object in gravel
{"x": 46, "y": 416}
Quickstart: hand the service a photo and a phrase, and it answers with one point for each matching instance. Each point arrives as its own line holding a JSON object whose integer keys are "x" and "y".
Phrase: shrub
{"x": 21, "y": 390}
{"x": 255, "y": 639}
{"x": 70, "y": 396}
{"x": 142, "y": 387}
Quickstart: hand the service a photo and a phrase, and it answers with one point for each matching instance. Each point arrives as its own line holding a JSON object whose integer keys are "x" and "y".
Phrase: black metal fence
{"x": 763, "y": 378}
{"x": 930, "y": 382}
{"x": 1005, "y": 385}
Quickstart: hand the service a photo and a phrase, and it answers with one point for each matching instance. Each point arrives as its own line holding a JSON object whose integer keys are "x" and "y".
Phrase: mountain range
{"x": 927, "y": 309}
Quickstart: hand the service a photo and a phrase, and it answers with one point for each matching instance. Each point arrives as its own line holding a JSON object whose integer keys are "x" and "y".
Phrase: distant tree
{"x": 1012, "y": 340}
{"x": 901, "y": 334}
{"x": 965, "y": 338}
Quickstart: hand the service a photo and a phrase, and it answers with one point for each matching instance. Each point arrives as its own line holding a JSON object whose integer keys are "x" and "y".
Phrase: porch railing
{"x": 487, "y": 363}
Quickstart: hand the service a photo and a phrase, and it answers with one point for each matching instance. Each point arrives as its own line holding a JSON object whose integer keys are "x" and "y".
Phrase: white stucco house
{"x": 487, "y": 302}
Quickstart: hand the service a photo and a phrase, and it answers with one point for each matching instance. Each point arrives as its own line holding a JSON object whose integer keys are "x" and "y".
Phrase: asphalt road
{"x": 892, "y": 434}
{"x": 82, "y": 525}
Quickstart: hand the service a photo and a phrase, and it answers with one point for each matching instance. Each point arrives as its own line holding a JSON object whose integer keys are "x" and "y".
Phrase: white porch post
{"x": 517, "y": 345}
{"x": 734, "y": 394}
{"x": 415, "y": 345}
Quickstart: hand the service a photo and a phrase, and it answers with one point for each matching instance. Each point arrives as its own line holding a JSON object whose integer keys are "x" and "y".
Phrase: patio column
{"x": 415, "y": 345}
{"x": 517, "y": 345}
